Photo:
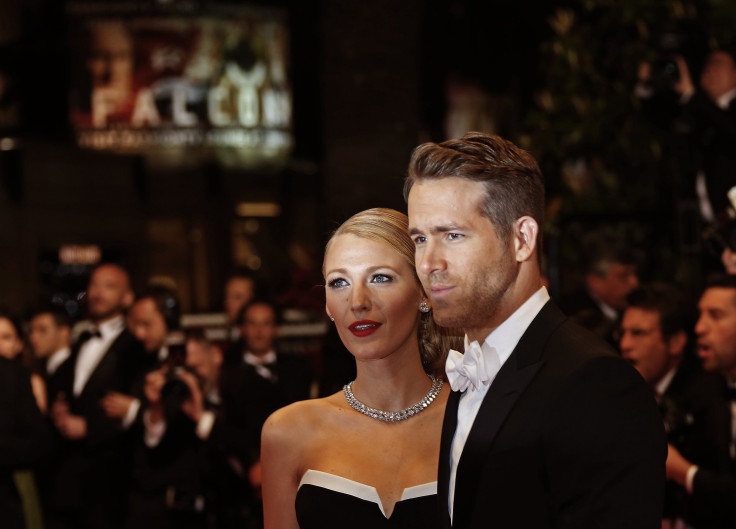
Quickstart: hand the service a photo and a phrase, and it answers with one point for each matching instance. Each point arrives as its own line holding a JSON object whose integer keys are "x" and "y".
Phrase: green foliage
{"x": 597, "y": 149}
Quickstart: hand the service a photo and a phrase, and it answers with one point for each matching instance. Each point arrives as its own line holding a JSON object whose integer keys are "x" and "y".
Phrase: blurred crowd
{"x": 128, "y": 419}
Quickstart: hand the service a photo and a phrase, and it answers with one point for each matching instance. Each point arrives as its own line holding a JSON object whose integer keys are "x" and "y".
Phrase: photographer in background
{"x": 194, "y": 444}
{"x": 154, "y": 319}
{"x": 706, "y": 119}
{"x": 656, "y": 338}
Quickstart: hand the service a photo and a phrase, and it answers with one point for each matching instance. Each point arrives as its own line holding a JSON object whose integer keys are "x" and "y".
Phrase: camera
{"x": 664, "y": 74}
{"x": 174, "y": 393}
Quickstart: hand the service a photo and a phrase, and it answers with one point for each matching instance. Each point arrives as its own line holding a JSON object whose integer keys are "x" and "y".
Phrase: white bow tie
{"x": 472, "y": 368}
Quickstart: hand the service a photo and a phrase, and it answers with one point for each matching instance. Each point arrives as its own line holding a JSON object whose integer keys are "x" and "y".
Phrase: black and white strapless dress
{"x": 326, "y": 501}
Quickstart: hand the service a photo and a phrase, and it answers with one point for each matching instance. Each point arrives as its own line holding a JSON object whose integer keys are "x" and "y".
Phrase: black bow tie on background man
{"x": 88, "y": 334}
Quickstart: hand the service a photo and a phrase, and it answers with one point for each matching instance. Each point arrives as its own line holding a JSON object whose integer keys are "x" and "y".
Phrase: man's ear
{"x": 676, "y": 343}
{"x": 128, "y": 299}
{"x": 525, "y": 238}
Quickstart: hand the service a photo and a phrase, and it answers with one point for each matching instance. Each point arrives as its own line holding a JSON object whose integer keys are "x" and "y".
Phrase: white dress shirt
{"x": 56, "y": 359}
{"x": 503, "y": 339}
{"x": 93, "y": 350}
{"x": 261, "y": 362}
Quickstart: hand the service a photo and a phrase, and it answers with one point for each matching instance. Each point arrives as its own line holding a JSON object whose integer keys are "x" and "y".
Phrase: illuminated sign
{"x": 72, "y": 254}
{"x": 144, "y": 84}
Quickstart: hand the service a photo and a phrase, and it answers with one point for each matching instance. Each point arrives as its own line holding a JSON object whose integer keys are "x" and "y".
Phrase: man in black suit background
{"x": 272, "y": 379}
{"x": 611, "y": 271}
{"x": 86, "y": 482}
{"x": 709, "y": 119}
{"x": 50, "y": 338}
{"x": 712, "y": 487}
{"x": 656, "y": 338}
{"x": 547, "y": 426}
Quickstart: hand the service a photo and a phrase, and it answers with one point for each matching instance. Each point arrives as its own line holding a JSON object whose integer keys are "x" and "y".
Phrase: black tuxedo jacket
{"x": 89, "y": 475}
{"x": 690, "y": 408}
{"x": 568, "y": 436}
{"x": 713, "y": 133}
{"x": 714, "y": 487}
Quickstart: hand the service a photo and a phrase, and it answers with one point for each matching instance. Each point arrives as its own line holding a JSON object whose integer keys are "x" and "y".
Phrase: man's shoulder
{"x": 574, "y": 345}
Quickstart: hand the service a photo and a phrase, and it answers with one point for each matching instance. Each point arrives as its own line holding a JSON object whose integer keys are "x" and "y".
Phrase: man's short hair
{"x": 511, "y": 176}
{"x": 721, "y": 281}
{"x": 167, "y": 303}
{"x": 60, "y": 316}
{"x": 602, "y": 248}
{"x": 676, "y": 310}
{"x": 240, "y": 319}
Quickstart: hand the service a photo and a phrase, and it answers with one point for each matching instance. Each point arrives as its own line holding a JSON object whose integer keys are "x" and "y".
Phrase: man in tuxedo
{"x": 709, "y": 118}
{"x": 610, "y": 273}
{"x": 86, "y": 481}
{"x": 713, "y": 488}
{"x": 50, "y": 338}
{"x": 153, "y": 319}
{"x": 546, "y": 425}
{"x": 655, "y": 333}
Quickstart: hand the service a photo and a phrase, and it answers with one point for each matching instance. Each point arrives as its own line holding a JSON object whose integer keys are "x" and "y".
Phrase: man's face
{"x": 259, "y": 328}
{"x": 466, "y": 270}
{"x": 108, "y": 293}
{"x": 716, "y": 330}
{"x": 148, "y": 324}
{"x": 643, "y": 345}
{"x": 613, "y": 287}
{"x": 46, "y": 336}
{"x": 238, "y": 292}
{"x": 719, "y": 74}
{"x": 204, "y": 358}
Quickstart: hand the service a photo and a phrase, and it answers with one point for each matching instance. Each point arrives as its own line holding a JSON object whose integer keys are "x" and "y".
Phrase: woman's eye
{"x": 337, "y": 283}
{"x": 381, "y": 278}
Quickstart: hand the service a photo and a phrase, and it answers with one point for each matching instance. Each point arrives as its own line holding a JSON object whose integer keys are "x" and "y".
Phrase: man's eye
{"x": 419, "y": 240}
{"x": 454, "y": 236}
{"x": 337, "y": 283}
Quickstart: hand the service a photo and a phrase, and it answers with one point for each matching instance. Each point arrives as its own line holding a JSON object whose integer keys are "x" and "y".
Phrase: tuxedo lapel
{"x": 513, "y": 378}
{"x": 443, "y": 476}
{"x": 498, "y": 402}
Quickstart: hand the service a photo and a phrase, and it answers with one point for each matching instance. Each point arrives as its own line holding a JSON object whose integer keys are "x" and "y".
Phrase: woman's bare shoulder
{"x": 296, "y": 421}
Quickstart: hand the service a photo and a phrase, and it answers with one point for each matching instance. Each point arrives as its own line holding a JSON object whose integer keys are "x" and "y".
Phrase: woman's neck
{"x": 390, "y": 385}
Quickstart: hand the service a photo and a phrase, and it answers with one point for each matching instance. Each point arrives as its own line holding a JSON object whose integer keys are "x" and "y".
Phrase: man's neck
{"x": 106, "y": 319}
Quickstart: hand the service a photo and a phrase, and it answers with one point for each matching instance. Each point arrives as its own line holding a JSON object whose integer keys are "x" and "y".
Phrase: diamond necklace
{"x": 393, "y": 416}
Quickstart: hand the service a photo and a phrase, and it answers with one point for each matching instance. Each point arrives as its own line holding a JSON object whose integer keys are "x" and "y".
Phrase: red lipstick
{"x": 364, "y": 327}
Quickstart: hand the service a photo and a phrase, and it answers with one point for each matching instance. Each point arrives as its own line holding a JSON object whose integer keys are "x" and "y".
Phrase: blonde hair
{"x": 391, "y": 227}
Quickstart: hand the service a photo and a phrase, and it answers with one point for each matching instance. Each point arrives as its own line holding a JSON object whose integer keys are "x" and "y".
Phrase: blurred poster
{"x": 181, "y": 86}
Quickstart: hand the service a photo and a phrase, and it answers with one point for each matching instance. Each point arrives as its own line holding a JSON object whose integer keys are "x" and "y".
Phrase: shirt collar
{"x": 725, "y": 100}
{"x": 607, "y": 310}
{"x": 505, "y": 337}
{"x": 111, "y": 327}
{"x": 268, "y": 358}
{"x": 661, "y": 386}
{"x": 56, "y": 359}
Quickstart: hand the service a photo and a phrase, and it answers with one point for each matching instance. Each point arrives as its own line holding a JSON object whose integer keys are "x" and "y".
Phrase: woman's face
{"x": 373, "y": 296}
{"x": 10, "y": 344}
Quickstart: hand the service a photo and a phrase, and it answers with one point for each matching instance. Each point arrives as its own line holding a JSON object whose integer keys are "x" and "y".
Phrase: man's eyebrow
{"x": 435, "y": 229}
